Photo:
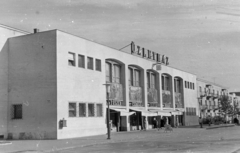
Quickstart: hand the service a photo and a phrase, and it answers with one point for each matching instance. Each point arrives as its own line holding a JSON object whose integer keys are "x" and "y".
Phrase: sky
{"x": 200, "y": 37}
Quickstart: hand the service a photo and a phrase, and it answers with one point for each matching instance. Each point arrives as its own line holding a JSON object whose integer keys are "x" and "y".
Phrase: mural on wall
{"x": 152, "y": 95}
{"x": 178, "y": 100}
{"x": 135, "y": 94}
{"x": 116, "y": 92}
{"x": 167, "y": 100}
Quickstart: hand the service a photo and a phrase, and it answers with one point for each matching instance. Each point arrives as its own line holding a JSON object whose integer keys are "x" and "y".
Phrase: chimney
{"x": 35, "y": 30}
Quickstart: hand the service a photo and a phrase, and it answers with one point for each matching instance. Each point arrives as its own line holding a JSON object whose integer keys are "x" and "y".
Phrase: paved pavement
{"x": 186, "y": 134}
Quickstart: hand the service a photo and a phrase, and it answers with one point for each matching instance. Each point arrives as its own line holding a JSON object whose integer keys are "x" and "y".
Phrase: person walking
{"x": 201, "y": 122}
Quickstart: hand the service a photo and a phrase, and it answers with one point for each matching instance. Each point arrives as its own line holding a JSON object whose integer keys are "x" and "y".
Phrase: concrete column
{"x": 160, "y": 91}
{"x": 144, "y": 88}
{"x": 173, "y": 93}
{"x": 125, "y": 122}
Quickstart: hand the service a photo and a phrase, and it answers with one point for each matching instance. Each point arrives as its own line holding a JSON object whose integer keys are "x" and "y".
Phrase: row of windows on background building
{"x": 81, "y": 62}
{"x": 85, "y": 109}
{"x": 208, "y": 102}
{"x": 189, "y": 85}
{"x": 191, "y": 111}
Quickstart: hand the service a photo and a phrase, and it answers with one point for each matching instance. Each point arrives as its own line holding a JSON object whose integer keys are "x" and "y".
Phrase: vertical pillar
{"x": 173, "y": 93}
{"x": 125, "y": 120}
{"x": 160, "y": 91}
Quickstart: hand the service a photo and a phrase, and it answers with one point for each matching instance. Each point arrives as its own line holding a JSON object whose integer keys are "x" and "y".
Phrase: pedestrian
{"x": 209, "y": 120}
{"x": 201, "y": 122}
{"x": 154, "y": 123}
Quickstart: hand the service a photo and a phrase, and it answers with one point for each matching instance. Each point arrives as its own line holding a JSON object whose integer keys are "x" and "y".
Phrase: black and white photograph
{"x": 119, "y": 76}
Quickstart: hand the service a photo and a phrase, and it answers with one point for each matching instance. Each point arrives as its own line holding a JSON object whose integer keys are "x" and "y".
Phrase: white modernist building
{"x": 52, "y": 88}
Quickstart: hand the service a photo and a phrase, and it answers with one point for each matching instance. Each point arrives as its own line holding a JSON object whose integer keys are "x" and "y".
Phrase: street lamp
{"x": 108, "y": 85}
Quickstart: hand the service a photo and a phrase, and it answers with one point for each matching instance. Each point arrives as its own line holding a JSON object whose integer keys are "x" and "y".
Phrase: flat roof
{"x": 212, "y": 83}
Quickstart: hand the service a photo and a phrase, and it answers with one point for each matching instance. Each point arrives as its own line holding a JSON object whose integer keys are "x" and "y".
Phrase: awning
{"x": 161, "y": 112}
{"x": 144, "y": 112}
{"x": 123, "y": 112}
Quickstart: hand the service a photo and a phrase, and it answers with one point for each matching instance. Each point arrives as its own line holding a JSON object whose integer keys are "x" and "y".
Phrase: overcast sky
{"x": 201, "y": 37}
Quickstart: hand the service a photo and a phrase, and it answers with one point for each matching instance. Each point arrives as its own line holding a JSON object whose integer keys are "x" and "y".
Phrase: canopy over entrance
{"x": 123, "y": 112}
{"x": 144, "y": 112}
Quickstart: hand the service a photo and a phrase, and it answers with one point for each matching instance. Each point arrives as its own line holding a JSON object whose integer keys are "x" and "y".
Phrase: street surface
{"x": 181, "y": 140}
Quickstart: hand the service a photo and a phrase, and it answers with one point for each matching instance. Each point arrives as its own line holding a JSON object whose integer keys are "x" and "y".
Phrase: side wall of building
{"x": 5, "y": 33}
{"x": 32, "y": 85}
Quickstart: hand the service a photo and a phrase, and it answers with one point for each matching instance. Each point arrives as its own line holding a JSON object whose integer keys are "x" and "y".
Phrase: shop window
{"x": 148, "y": 80}
{"x": 165, "y": 82}
{"x": 90, "y": 63}
{"x": 98, "y": 65}
{"x": 134, "y": 77}
{"x": 108, "y": 72}
{"x": 130, "y": 77}
{"x": 71, "y": 59}
{"x": 117, "y": 72}
{"x": 177, "y": 85}
{"x": 82, "y": 110}
{"x": 17, "y": 111}
{"x": 91, "y": 110}
{"x": 113, "y": 72}
{"x": 137, "y": 78}
{"x": 72, "y": 109}
{"x": 81, "y": 61}
{"x": 99, "y": 110}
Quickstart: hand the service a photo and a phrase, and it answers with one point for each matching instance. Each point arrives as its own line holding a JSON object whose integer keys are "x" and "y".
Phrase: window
{"x": 90, "y": 63}
{"x": 72, "y": 109}
{"x": 99, "y": 110}
{"x": 185, "y": 84}
{"x": 17, "y": 111}
{"x": 188, "y": 85}
{"x": 137, "y": 78}
{"x": 81, "y": 61}
{"x": 177, "y": 85}
{"x": 90, "y": 110}
{"x": 153, "y": 80}
{"x": 108, "y": 72}
{"x": 134, "y": 77}
{"x": 162, "y": 82}
{"x": 98, "y": 65}
{"x": 130, "y": 77}
{"x": 148, "y": 80}
{"x": 71, "y": 59}
{"x": 82, "y": 110}
{"x": 167, "y": 83}
{"x": 193, "y": 86}
{"x": 116, "y": 77}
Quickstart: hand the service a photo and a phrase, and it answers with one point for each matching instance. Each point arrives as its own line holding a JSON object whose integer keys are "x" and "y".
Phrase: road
{"x": 181, "y": 140}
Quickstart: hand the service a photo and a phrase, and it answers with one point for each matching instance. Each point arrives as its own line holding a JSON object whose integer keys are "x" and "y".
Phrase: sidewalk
{"x": 40, "y": 146}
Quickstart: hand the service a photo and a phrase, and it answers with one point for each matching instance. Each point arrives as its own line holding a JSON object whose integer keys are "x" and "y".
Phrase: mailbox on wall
{"x": 62, "y": 123}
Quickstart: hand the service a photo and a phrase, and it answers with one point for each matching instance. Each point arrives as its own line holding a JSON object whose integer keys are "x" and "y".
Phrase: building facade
{"x": 56, "y": 89}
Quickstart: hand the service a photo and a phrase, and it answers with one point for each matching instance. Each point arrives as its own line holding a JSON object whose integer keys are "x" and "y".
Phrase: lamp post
{"x": 108, "y": 85}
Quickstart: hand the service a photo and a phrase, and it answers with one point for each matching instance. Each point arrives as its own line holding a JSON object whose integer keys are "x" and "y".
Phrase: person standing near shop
{"x": 201, "y": 122}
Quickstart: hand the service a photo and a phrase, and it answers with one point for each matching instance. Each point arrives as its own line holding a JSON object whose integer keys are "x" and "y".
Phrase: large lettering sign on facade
{"x": 144, "y": 53}
{"x": 167, "y": 100}
{"x": 135, "y": 96}
{"x": 178, "y": 100}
